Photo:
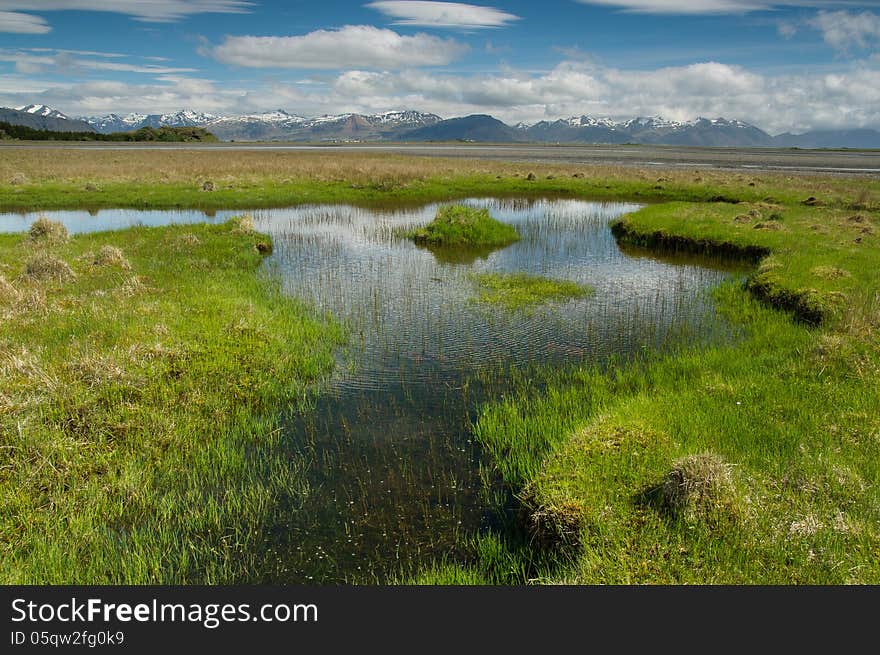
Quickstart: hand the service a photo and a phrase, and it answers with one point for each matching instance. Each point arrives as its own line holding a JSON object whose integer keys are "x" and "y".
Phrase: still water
{"x": 394, "y": 474}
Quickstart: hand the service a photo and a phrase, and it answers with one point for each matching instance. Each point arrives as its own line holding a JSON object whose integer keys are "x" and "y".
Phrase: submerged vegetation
{"x": 137, "y": 405}
{"x": 755, "y": 462}
{"x": 459, "y": 226}
{"x": 517, "y": 291}
{"x": 141, "y": 376}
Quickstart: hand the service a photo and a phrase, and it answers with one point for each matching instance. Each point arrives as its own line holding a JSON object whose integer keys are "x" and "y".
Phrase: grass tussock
{"x": 457, "y": 226}
{"x": 9, "y": 295}
{"x": 518, "y": 291}
{"x": 46, "y": 230}
{"x": 43, "y": 267}
{"x": 243, "y": 224}
{"x": 697, "y": 487}
{"x": 113, "y": 257}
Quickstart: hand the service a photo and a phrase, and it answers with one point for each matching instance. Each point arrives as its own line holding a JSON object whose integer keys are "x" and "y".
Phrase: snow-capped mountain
{"x": 115, "y": 122}
{"x": 43, "y": 111}
{"x": 42, "y": 117}
{"x": 183, "y": 118}
{"x": 589, "y": 121}
{"x": 275, "y": 125}
{"x": 409, "y": 125}
{"x": 649, "y": 129}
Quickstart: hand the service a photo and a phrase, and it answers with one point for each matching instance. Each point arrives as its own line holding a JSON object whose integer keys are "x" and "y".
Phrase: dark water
{"x": 395, "y": 477}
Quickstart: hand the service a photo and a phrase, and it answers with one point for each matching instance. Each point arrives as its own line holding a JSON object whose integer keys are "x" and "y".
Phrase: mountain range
{"x": 407, "y": 125}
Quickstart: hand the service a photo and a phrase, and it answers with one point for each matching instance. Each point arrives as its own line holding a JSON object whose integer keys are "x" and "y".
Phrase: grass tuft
{"x": 698, "y": 486}
{"x": 44, "y": 229}
{"x": 8, "y": 294}
{"x": 45, "y": 267}
{"x": 113, "y": 257}
{"x": 243, "y": 224}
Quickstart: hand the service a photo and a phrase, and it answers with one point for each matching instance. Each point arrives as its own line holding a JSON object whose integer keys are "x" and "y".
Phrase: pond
{"x": 396, "y": 480}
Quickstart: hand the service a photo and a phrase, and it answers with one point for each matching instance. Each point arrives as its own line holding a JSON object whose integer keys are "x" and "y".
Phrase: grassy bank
{"x": 756, "y": 462}
{"x": 141, "y": 374}
{"x": 60, "y": 179}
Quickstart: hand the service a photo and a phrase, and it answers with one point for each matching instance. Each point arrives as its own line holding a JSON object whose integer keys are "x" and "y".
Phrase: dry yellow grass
{"x": 240, "y": 168}
{"x": 111, "y": 256}
{"x": 43, "y": 267}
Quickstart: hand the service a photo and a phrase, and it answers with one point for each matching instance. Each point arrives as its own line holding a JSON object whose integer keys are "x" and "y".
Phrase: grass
{"x": 458, "y": 226}
{"x": 519, "y": 291}
{"x": 754, "y": 462}
{"x": 751, "y": 462}
{"x": 139, "y": 398}
{"x": 52, "y": 178}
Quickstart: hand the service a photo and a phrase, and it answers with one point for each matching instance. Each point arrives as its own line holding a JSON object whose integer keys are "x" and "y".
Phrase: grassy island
{"x": 460, "y": 226}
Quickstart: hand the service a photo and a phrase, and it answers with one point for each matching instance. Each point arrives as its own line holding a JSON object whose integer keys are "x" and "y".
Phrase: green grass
{"x": 788, "y": 417}
{"x": 155, "y": 183}
{"x": 519, "y": 291}
{"x": 458, "y": 226}
{"x": 139, "y": 439}
{"x": 136, "y": 406}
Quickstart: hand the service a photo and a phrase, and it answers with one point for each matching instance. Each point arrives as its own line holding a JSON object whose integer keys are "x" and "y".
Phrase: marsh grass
{"x": 459, "y": 226}
{"x": 603, "y": 460}
{"x": 139, "y": 440}
{"x": 521, "y": 291}
{"x": 55, "y": 179}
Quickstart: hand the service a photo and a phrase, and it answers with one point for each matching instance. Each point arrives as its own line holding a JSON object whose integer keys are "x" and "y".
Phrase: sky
{"x": 783, "y": 66}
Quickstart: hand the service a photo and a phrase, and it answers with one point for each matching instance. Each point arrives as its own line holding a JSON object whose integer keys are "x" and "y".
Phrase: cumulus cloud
{"x": 848, "y": 98}
{"x": 159, "y": 11}
{"x": 443, "y": 14}
{"x": 793, "y": 102}
{"x": 360, "y": 46}
{"x": 17, "y": 23}
{"x": 846, "y": 31}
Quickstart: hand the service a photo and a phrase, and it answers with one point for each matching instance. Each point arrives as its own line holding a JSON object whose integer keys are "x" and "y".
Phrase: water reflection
{"x": 393, "y": 470}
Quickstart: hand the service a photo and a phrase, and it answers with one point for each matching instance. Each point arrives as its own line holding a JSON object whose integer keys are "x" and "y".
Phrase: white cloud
{"x": 776, "y": 104}
{"x": 442, "y": 14}
{"x": 847, "y": 98}
{"x": 716, "y": 6}
{"x": 159, "y": 11}
{"x": 361, "y": 46}
{"x": 66, "y": 61}
{"x": 12, "y": 21}
{"x": 104, "y": 96}
{"x": 846, "y": 31}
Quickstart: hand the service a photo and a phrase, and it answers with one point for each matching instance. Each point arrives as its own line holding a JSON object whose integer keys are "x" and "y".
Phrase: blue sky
{"x": 790, "y": 65}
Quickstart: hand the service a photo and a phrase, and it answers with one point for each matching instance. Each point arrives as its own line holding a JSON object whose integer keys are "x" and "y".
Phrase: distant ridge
{"x": 41, "y": 117}
{"x": 410, "y": 125}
